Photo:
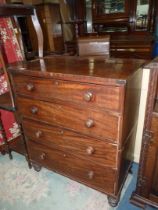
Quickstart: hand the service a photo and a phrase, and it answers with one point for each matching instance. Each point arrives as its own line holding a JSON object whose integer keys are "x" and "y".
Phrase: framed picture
{"x": 142, "y": 2}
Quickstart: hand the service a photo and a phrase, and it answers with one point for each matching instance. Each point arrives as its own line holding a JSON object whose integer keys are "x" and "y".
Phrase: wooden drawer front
{"x": 91, "y": 149}
{"x": 96, "y": 176}
{"x": 104, "y": 97}
{"x": 86, "y": 121}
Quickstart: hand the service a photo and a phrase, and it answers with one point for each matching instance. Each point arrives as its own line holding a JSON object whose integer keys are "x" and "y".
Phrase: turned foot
{"x": 36, "y": 167}
{"x": 112, "y": 201}
{"x": 3, "y": 152}
{"x": 28, "y": 161}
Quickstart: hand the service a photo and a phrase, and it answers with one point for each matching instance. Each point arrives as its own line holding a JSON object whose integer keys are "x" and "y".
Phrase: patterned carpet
{"x": 25, "y": 189}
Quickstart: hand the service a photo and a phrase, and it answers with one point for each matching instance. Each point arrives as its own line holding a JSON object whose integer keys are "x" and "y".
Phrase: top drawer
{"x": 105, "y": 97}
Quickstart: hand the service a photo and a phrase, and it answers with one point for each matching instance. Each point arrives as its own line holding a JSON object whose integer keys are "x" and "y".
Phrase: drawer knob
{"x": 88, "y": 96}
{"x": 56, "y": 82}
{"x": 38, "y": 134}
{"x": 90, "y": 150}
{"x": 89, "y": 123}
{"x": 90, "y": 174}
{"x": 34, "y": 110}
{"x": 43, "y": 156}
{"x": 30, "y": 87}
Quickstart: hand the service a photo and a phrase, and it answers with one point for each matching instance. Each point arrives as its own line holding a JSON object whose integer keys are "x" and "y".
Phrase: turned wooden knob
{"x": 89, "y": 123}
{"x": 43, "y": 156}
{"x": 56, "y": 82}
{"x": 90, "y": 174}
{"x": 30, "y": 87}
{"x": 88, "y": 96}
{"x": 34, "y": 110}
{"x": 90, "y": 150}
{"x": 38, "y": 134}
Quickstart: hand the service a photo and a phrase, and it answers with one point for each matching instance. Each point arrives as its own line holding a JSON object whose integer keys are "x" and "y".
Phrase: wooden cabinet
{"x": 130, "y": 23}
{"x": 106, "y": 11}
{"x": 147, "y": 182}
{"x": 124, "y": 15}
{"x": 78, "y": 118}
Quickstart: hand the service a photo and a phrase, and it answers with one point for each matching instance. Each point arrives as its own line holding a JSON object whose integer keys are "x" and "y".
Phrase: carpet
{"x": 25, "y": 189}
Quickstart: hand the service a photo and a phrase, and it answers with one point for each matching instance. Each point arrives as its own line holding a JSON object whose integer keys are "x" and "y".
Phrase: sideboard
{"x": 79, "y": 116}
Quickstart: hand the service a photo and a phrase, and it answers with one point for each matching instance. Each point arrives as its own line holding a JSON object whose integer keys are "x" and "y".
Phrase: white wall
{"x": 144, "y": 90}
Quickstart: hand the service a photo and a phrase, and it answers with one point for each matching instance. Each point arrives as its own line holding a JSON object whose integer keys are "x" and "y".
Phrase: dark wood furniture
{"x": 78, "y": 118}
{"x": 124, "y": 15}
{"x": 94, "y": 46}
{"x": 147, "y": 182}
{"x": 50, "y": 20}
{"x": 131, "y": 25}
{"x": 132, "y": 46}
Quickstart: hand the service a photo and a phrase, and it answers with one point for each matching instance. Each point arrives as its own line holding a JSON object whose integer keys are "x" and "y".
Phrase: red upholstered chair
{"x": 12, "y": 51}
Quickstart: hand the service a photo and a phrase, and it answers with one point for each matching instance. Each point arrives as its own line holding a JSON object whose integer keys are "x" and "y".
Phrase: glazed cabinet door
{"x": 110, "y": 9}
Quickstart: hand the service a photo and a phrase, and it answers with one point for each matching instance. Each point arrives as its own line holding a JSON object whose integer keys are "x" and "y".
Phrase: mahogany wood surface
{"x": 72, "y": 142}
{"x": 96, "y": 70}
{"x": 90, "y": 122}
{"x": 94, "y": 45}
{"x": 89, "y": 95}
{"x": 78, "y": 117}
{"x": 89, "y": 173}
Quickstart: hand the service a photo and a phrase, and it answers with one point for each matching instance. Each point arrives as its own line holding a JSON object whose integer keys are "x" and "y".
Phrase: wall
{"x": 144, "y": 90}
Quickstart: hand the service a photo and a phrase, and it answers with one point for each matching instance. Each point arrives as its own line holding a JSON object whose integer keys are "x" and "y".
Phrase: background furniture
{"x": 50, "y": 20}
{"x": 131, "y": 32}
{"x": 78, "y": 118}
{"x": 131, "y": 25}
{"x": 147, "y": 181}
{"x": 94, "y": 46}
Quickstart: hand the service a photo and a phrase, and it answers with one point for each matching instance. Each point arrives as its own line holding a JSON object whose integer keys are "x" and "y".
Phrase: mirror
{"x": 142, "y": 15}
{"x": 110, "y": 6}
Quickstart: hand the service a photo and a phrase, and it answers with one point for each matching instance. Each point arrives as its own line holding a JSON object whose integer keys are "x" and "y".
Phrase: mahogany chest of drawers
{"x": 79, "y": 117}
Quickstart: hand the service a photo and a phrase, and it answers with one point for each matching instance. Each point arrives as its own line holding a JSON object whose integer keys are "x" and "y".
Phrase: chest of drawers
{"x": 79, "y": 117}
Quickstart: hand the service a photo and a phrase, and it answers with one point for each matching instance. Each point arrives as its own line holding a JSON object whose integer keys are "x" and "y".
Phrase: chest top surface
{"x": 94, "y": 70}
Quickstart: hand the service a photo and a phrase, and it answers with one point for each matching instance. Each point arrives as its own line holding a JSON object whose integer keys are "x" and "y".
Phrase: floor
{"x": 25, "y": 189}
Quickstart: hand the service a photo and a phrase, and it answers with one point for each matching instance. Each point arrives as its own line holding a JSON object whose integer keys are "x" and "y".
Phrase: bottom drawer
{"x": 93, "y": 175}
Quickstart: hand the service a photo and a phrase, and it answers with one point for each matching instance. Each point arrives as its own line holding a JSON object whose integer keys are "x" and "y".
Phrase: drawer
{"x": 104, "y": 97}
{"x": 86, "y": 121}
{"x": 91, "y": 174}
{"x": 91, "y": 149}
